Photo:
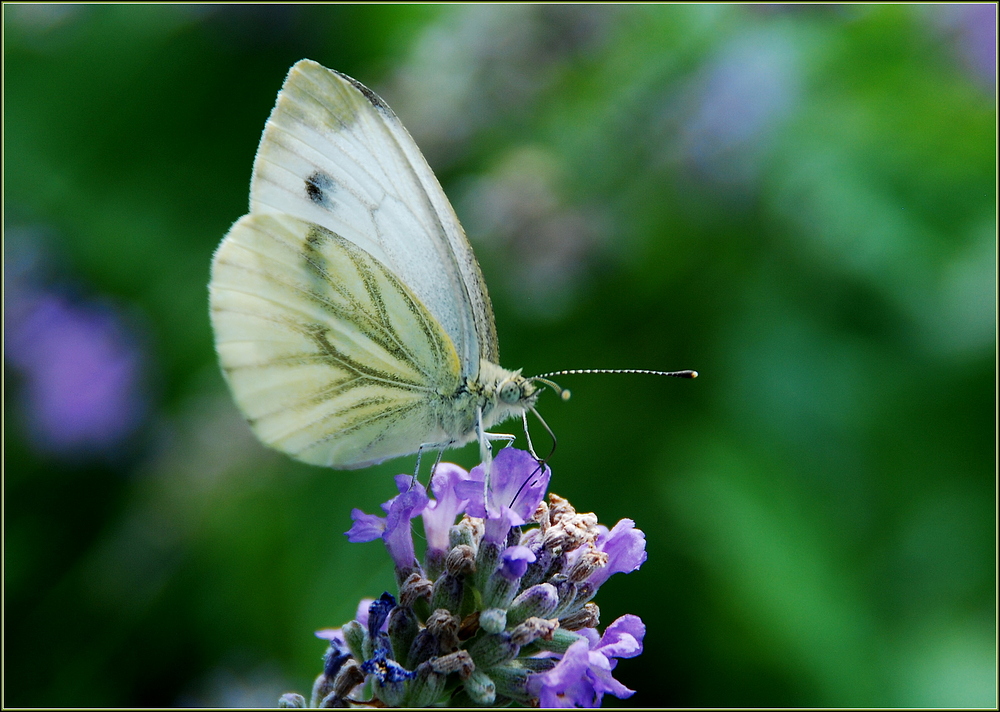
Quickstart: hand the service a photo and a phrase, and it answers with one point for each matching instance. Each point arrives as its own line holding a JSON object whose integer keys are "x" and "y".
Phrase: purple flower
{"x": 336, "y": 655}
{"x": 385, "y": 669}
{"x": 517, "y": 486}
{"x": 394, "y": 528}
{"x": 378, "y": 613}
{"x": 621, "y": 639}
{"x": 514, "y": 562}
{"x": 625, "y": 547}
{"x": 440, "y": 514}
{"x": 583, "y": 675}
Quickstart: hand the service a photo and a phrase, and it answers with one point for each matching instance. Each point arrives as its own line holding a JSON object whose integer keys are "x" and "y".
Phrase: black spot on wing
{"x": 319, "y": 186}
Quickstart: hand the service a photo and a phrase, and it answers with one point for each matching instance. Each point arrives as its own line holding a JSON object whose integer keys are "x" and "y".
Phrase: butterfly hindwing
{"x": 328, "y": 354}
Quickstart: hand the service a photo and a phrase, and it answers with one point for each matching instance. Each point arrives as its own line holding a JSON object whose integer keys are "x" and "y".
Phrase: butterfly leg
{"x": 440, "y": 447}
{"x": 416, "y": 470}
{"x": 437, "y": 461}
{"x": 486, "y": 450}
{"x": 485, "y": 440}
{"x": 527, "y": 435}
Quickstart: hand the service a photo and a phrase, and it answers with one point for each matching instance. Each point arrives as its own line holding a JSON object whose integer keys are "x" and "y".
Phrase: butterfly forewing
{"x": 334, "y": 154}
{"x": 330, "y": 356}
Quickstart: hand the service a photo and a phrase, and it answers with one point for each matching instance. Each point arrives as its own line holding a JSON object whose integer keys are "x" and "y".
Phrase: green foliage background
{"x": 798, "y": 202}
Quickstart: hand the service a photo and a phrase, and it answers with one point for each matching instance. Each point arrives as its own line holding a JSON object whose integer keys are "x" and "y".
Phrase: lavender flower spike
{"x": 497, "y": 613}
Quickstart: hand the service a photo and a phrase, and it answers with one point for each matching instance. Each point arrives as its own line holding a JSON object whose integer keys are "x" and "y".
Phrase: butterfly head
{"x": 517, "y": 391}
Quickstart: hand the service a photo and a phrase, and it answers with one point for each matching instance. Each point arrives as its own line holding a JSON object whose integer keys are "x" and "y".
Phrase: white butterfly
{"x": 350, "y": 316}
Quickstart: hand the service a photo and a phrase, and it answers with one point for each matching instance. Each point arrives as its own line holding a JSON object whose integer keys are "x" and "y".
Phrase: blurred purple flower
{"x": 82, "y": 370}
{"x": 583, "y": 675}
{"x": 973, "y": 30}
{"x": 736, "y": 108}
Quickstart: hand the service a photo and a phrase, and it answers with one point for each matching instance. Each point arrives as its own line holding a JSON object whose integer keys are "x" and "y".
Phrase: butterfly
{"x": 350, "y": 316}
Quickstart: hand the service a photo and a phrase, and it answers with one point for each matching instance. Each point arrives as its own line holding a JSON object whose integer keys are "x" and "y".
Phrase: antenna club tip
{"x": 694, "y": 374}
{"x": 565, "y": 395}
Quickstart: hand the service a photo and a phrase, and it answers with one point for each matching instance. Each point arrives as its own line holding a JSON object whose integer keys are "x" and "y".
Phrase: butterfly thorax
{"x": 498, "y": 393}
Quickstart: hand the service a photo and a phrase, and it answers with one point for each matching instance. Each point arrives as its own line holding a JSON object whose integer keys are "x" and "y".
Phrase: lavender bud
{"x": 493, "y": 620}
{"x": 378, "y": 611}
{"x": 559, "y": 642}
{"x": 415, "y": 587}
{"x": 539, "y": 601}
{"x": 511, "y": 681}
{"x": 572, "y": 531}
{"x": 469, "y": 531}
{"x": 424, "y": 647}
{"x": 487, "y": 559}
{"x": 389, "y": 679}
{"x": 292, "y": 699}
{"x": 444, "y": 627}
{"x": 458, "y": 662}
{"x": 447, "y": 593}
{"x": 392, "y": 693}
{"x": 537, "y": 664}
{"x": 376, "y": 640}
{"x": 588, "y": 562}
{"x": 532, "y": 629}
{"x": 584, "y": 592}
{"x": 499, "y": 591}
{"x": 567, "y": 595}
{"x": 493, "y": 649}
{"x": 425, "y": 687}
{"x": 349, "y": 677}
{"x": 541, "y": 515}
{"x": 539, "y": 569}
{"x": 331, "y": 701}
{"x": 587, "y": 617}
{"x": 322, "y": 686}
{"x": 434, "y": 563}
{"x": 354, "y": 634}
{"x": 559, "y": 508}
{"x": 481, "y": 688}
{"x": 403, "y": 628}
{"x": 503, "y": 584}
{"x": 461, "y": 560}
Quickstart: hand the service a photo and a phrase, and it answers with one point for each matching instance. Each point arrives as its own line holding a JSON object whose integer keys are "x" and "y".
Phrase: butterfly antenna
{"x": 563, "y": 392}
{"x": 544, "y": 377}
{"x": 551, "y": 435}
{"x": 541, "y": 463}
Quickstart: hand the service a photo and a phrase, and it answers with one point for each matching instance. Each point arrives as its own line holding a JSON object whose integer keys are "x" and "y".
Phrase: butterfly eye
{"x": 510, "y": 392}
